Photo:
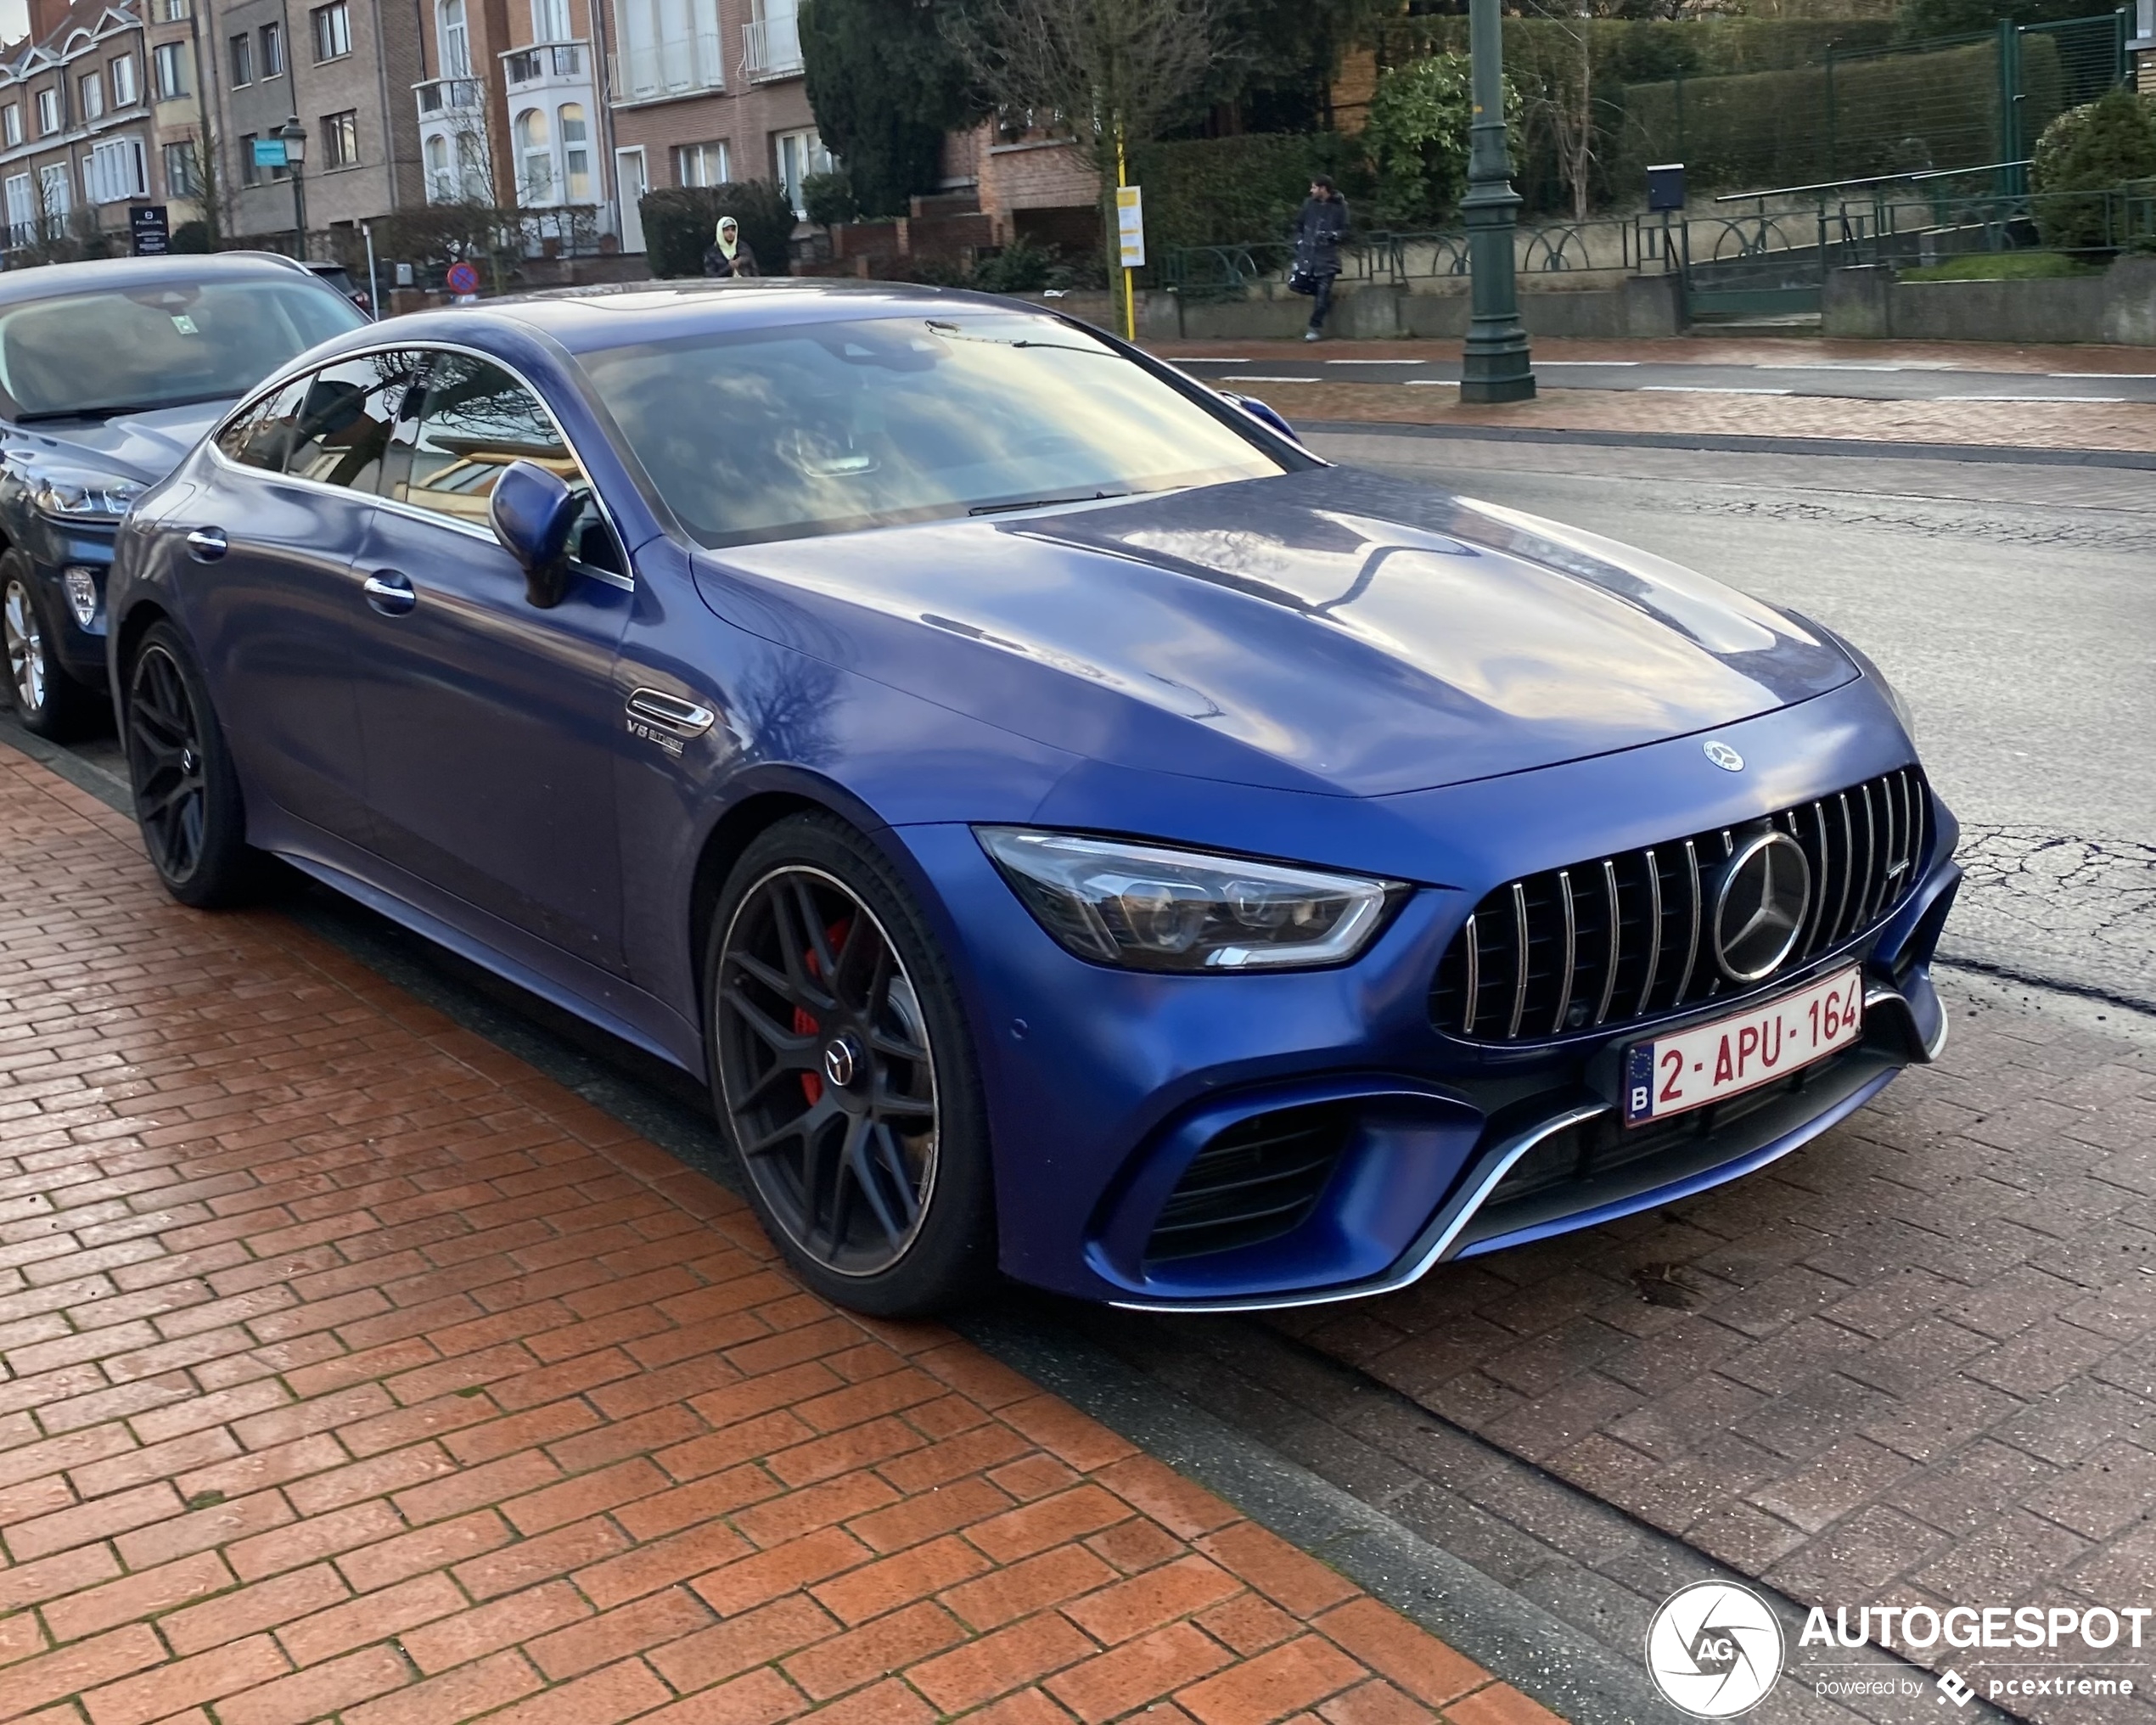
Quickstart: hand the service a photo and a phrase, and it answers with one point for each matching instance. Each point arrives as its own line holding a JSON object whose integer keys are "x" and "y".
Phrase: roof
{"x": 50, "y": 280}
{"x": 582, "y": 319}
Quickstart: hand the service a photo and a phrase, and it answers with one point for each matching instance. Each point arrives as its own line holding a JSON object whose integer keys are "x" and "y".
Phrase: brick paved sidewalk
{"x": 356, "y": 1370}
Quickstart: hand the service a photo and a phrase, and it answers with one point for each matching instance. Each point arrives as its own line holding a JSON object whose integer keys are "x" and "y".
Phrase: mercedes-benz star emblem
{"x": 1714, "y": 1650}
{"x": 1723, "y": 756}
{"x": 840, "y": 1060}
{"x": 1759, "y": 909}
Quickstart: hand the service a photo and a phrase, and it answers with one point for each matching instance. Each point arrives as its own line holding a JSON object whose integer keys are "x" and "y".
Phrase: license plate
{"x": 1691, "y": 1068}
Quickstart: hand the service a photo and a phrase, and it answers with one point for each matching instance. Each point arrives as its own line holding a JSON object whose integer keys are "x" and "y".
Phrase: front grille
{"x": 1628, "y": 936}
{"x": 1254, "y": 1181}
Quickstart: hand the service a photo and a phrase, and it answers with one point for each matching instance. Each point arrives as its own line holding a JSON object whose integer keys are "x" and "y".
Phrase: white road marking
{"x": 1272, "y": 381}
{"x": 2109, "y": 377}
{"x": 1550, "y": 362}
{"x": 1441, "y": 382}
{"x": 1705, "y": 389}
{"x": 1376, "y": 361}
{"x": 2083, "y": 401}
{"x": 1825, "y": 365}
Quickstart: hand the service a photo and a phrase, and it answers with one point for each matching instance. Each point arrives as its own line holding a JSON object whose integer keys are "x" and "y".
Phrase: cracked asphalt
{"x": 2009, "y": 603}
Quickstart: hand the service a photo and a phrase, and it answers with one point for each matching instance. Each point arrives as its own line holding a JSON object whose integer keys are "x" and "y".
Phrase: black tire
{"x": 48, "y": 700}
{"x": 187, "y": 793}
{"x": 844, "y": 1075}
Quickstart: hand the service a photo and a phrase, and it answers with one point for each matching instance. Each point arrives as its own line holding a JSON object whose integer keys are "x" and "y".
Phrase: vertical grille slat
{"x": 1532, "y": 961}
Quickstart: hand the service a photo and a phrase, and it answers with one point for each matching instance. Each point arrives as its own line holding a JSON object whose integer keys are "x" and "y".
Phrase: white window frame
{"x": 11, "y": 123}
{"x": 112, "y": 173}
{"x": 126, "y": 89}
{"x": 550, "y": 21}
{"x": 48, "y": 111}
{"x": 344, "y": 127}
{"x": 815, "y": 160}
{"x": 702, "y": 155}
{"x": 538, "y": 175}
{"x": 56, "y": 190}
{"x": 452, "y": 25}
{"x": 270, "y": 39}
{"x": 22, "y": 205}
{"x": 185, "y": 183}
{"x": 332, "y": 28}
{"x": 89, "y": 90}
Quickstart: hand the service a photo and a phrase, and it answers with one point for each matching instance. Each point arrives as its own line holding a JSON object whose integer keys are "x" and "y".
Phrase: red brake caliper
{"x": 805, "y": 1024}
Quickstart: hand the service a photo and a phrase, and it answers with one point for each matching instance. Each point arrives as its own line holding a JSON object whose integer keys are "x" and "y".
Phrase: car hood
{"x": 141, "y": 447}
{"x": 1331, "y": 630}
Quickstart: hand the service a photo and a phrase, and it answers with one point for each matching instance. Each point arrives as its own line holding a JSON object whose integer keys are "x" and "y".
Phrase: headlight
{"x": 83, "y": 496}
{"x": 1147, "y": 909}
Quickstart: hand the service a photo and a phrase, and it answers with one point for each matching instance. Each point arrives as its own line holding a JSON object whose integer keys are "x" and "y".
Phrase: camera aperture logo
{"x": 1714, "y": 1650}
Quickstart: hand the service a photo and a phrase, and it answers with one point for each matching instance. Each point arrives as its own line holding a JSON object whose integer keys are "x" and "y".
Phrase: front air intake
{"x": 1256, "y": 1181}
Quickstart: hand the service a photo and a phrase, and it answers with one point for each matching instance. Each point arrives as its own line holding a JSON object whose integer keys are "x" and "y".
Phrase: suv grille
{"x": 1254, "y": 1181}
{"x": 1628, "y": 936}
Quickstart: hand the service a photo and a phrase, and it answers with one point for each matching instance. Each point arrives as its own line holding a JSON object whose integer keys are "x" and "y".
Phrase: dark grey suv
{"x": 110, "y": 373}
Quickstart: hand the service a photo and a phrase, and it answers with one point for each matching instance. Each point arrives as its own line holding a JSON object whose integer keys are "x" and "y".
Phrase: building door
{"x": 630, "y": 183}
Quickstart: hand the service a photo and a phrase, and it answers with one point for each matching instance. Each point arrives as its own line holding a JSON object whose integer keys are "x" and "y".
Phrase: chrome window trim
{"x": 626, "y": 582}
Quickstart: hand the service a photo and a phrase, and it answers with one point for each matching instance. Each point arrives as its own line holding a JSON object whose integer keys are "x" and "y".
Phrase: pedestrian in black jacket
{"x": 1320, "y": 227}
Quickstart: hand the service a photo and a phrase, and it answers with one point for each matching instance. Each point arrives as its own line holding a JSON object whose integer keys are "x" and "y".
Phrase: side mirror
{"x": 1261, "y": 412}
{"x": 532, "y": 512}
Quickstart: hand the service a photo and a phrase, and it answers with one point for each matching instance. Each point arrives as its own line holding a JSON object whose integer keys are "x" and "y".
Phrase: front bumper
{"x": 1106, "y": 1088}
{"x": 51, "y": 551}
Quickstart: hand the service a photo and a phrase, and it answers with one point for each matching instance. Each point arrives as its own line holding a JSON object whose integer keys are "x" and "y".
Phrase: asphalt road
{"x": 2011, "y": 605}
{"x": 1906, "y": 381}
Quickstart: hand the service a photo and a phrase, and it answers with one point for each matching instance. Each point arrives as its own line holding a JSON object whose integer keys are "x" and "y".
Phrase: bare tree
{"x": 1109, "y": 73}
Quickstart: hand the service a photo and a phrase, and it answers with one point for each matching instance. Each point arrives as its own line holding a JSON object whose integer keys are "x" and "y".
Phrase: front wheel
{"x": 47, "y": 701}
{"x": 845, "y": 1074}
{"x": 187, "y": 794}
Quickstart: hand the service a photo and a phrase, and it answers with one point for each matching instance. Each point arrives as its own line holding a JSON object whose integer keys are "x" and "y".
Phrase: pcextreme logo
{"x": 1714, "y": 1650}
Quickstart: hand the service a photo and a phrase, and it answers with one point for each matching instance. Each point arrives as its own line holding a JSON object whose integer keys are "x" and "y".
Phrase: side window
{"x": 262, "y": 435}
{"x": 344, "y": 420}
{"x": 473, "y": 420}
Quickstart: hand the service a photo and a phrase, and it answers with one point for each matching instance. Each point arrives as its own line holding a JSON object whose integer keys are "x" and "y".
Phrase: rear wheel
{"x": 844, "y": 1072}
{"x": 47, "y": 701}
{"x": 187, "y": 794}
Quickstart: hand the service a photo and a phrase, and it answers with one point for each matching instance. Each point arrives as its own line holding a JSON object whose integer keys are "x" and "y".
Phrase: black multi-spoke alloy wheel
{"x": 46, "y": 700}
{"x": 187, "y": 797}
{"x": 844, "y": 1072}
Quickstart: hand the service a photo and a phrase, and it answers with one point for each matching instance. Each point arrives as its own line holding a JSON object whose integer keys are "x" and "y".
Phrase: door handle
{"x": 207, "y": 544}
{"x": 390, "y": 592}
{"x": 684, "y": 718}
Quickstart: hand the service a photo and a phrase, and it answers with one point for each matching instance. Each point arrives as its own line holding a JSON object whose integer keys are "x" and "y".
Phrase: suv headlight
{"x": 83, "y": 496}
{"x": 1145, "y": 907}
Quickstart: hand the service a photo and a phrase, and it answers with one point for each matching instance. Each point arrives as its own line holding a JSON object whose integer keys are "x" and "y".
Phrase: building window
{"x": 333, "y": 31}
{"x": 250, "y": 174}
{"x": 126, "y": 91}
{"x": 455, "y": 42}
{"x": 575, "y": 155}
{"x": 114, "y": 172}
{"x": 168, "y": 70}
{"x": 242, "y": 60}
{"x": 48, "y": 111}
{"x": 22, "y": 210}
{"x": 53, "y": 193}
{"x": 172, "y": 11}
{"x": 272, "y": 50}
{"x": 440, "y": 189}
{"x": 2145, "y": 30}
{"x": 534, "y": 157}
{"x": 798, "y": 154}
{"x": 550, "y": 20}
{"x": 11, "y": 123}
{"x": 341, "y": 139}
{"x": 700, "y": 165}
{"x": 91, "y": 88}
{"x": 182, "y": 172}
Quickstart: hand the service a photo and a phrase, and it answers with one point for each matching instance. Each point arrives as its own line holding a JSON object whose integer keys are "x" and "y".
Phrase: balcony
{"x": 773, "y": 47}
{"x": 549, "y": 62}
{"x": 440, "y": 98}
{"x": 687, "y": 67}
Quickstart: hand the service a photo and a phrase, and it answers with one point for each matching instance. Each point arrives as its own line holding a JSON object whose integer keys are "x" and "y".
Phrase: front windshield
{"x": 823, "y": 428}
{"x": 158, "y": 344}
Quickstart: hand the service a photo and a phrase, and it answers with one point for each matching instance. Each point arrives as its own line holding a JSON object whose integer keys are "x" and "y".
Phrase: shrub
{"x": 191, "y": 236}
{"x": 681, "y": 221}
{"x": 1020, "y": 268}
{"x": 1224, "y": 191}
{"x": 829, "y": 198}
{"x": 1417, "y": 140}
{"x": 2106, "y": 143}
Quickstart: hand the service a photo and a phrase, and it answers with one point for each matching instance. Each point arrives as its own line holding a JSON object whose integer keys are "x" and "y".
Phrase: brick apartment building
{"x": 79, "y": 140}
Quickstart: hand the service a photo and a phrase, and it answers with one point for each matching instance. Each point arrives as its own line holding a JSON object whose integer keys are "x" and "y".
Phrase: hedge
{"x": 681, "y": 221}
{"x": 1223, "y": 191}
{"x": 1889, "y": 114}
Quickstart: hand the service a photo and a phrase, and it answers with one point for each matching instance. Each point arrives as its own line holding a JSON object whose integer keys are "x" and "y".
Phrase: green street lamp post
{"x": 1495, "y": 367}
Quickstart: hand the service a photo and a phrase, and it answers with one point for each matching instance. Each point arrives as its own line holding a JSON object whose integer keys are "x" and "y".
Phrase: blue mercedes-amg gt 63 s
{"x": 1073, "y": 829}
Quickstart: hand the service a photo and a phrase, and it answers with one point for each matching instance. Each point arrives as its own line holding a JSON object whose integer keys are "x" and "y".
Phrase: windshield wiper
{"x": 113, "y": 410}
{"x": 1044, "y": 503}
